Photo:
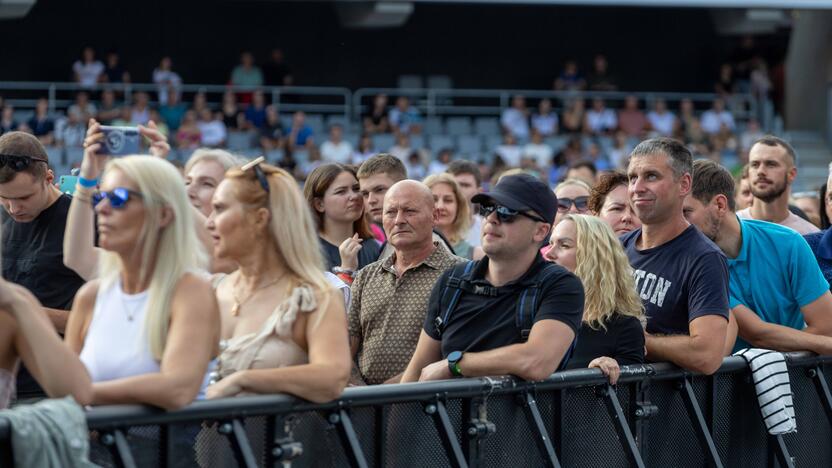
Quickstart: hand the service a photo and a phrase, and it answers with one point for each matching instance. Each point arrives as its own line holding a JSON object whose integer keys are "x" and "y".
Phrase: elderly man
{"x": 510, "y": 313}
{"x": 390, "y": 296}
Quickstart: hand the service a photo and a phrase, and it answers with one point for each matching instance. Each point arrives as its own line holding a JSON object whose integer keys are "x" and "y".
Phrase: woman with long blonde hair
{"x": 452, "y": 212}
{"x": 612, "y": 332}
{"x": 283, "y": 325}
{"x": 147, "y": 328}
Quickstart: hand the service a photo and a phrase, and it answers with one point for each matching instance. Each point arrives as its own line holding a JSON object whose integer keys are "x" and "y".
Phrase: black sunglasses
{"x": 261, "y": 176}
{"x": 19, "y": 163}
{"x": 581, "y": 203}
{"x": 118, "y": 197}
{"x": 506, "y": 215}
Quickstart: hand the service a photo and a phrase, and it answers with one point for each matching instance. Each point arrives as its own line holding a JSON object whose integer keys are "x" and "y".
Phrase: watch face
{"x": 455, "y": 356}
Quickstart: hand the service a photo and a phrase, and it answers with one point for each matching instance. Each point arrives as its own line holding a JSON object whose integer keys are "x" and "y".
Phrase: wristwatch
{"x": 453, "y": 363}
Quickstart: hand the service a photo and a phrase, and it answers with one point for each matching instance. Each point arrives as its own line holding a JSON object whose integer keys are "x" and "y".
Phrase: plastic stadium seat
{"x": 286, "y": 121}
{"x": 351, "y": 138}
{"x": 439, "y": 142}
{"x": 300, "y": 156}
{"x": 273, "y": 156}
{"x": 250, "y": 153}
{"x": 458, "y": 125}
{"x": 417, "y": 141}
{"x": 410, "y": 82}
{"x": 487, "y": 126}
{"x": 73, "y": 155}
{"x": 440, "y": 82}
{"x": 337, "y": 120}
{"x": 383, "y": 142}
{"x": 469, "y": 145}
{"x": 182, "y": 154}
{"x": 239, "y": 140}
{"x": 493, "y": 141}
{"x": 316, "y": 123}
{"x": 557, "y": 142}
{"x": 433, "y": 126}
{"x": 55, "y": 155}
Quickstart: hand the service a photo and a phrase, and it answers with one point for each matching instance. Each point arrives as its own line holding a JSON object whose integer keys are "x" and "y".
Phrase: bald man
{"x": 390, "y": 296}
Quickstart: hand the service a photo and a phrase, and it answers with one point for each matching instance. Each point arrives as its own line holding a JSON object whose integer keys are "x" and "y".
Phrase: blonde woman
{"x": 147, "y": 329}
{"x": 452, "y": 214}
{"x": 612, "y": 332}
{"x": 573, "y": 198}
{"x": 203, "y": 173}
{"x": 283, "y": 325}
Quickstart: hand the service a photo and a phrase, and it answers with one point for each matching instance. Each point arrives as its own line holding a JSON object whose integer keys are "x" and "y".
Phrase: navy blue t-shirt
{"x": 680, "y": 280}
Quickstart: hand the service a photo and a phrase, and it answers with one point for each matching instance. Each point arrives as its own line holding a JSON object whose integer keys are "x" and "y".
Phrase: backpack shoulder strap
{"x": 529, "y": 301}
{"x": 460, "y": 274}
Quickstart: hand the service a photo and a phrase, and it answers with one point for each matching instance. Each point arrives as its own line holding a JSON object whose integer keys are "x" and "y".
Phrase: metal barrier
{"x": 658, "y": 415}
{"x": 349, "y": 104}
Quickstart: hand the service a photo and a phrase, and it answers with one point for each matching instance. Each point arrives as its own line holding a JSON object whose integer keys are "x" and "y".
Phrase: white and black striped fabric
{"x": 774, "y": 392}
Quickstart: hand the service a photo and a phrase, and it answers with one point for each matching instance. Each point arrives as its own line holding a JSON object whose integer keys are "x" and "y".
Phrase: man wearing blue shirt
{"x": 776, "y": 290}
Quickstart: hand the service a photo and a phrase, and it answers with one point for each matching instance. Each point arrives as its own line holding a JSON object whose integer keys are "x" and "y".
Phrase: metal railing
{"x": 351, "y": 105}
{"x": 658, "y": 415}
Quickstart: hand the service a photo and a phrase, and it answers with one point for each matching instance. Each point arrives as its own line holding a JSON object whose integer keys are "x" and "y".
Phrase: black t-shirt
{"x": 481, "y": 323}
{"x": 680, "y": 280}
{"x": 623, "y": 340}
{"x": 33, "y": 257}
{"x": 368, "y": 254}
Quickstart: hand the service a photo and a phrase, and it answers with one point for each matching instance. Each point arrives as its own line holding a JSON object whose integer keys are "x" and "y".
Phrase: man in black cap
{"x": 511, "y": 312}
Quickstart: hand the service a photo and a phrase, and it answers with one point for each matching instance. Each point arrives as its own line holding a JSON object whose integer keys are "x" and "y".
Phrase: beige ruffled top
{"x": 272, "y": 346}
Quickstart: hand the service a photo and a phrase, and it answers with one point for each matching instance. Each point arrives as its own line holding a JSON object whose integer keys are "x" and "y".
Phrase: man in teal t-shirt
{"x": 777, "y": 292}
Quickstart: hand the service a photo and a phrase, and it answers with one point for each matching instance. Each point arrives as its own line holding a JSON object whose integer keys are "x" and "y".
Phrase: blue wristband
{"x": 87, "y": 183}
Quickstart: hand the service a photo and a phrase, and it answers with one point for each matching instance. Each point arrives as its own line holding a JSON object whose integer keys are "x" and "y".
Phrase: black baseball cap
{"x": 522, "y": 192}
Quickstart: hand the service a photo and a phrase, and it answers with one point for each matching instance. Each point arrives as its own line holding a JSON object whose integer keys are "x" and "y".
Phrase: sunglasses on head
{"x": 19, "y": 163}
{"x": 118, "y": 197}
{"x": 505, "y": 215}
{"x": 581, "y": 203}
{"x": 261, "y": 176}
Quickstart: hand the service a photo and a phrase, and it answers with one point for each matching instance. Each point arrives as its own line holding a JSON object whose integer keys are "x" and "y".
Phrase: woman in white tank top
{"x": 148, "y": 327}
{"x": 283, "y": 325}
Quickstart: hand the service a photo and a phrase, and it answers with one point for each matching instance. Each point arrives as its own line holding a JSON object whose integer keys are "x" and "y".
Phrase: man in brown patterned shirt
{"x": 390, "y": 296}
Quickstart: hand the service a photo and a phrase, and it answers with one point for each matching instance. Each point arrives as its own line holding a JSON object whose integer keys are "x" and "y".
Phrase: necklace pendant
{"x": 235, "y": 310}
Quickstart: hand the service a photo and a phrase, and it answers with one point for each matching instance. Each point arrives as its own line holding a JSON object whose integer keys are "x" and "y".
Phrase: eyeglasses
{"x": 118, "y": 197}
{"x": 19, "y": 163}
{"x": 581, "y": 204}
{"x": 261, "y": 176}
{"x": 506, "y": 215}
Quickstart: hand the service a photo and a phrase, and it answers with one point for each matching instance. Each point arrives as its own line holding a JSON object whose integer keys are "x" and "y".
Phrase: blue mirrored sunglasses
{"x": 118, "y": 197}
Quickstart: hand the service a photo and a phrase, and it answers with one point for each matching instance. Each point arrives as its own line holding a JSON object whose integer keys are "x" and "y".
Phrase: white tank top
{"x": 116, "y": 345}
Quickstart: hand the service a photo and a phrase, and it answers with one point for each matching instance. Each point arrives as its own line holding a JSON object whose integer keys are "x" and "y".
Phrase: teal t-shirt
{"x": 775, "y": 274}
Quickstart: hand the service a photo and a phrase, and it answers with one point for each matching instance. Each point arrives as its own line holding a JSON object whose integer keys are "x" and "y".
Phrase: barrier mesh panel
{"x": 589, "y": 435}
{"x": 811, "y": 419}
{"x": 739, "y": 433}
{"x": 670, "y": 439}
{"x": 515, "y": 442}
{"x": 412, "y": 438}
{"x": 144, "y": 446}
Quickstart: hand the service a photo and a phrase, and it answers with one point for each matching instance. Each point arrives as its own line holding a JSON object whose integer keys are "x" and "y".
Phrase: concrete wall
{"x": 809, "y": 72}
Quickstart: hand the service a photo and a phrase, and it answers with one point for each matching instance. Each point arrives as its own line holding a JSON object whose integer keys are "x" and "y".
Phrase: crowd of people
{"x": 234, "y": 280}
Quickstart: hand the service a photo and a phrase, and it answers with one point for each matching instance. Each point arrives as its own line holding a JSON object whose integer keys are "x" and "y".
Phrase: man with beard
{"x": 511, "y": 312}
{"x": 681, "y": 276}
{"x": 777, "y": 292}
{"x": 771, "y": 171}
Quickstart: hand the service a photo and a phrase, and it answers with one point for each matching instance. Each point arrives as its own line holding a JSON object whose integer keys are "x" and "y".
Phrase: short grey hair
{"x": 681, "y": 159}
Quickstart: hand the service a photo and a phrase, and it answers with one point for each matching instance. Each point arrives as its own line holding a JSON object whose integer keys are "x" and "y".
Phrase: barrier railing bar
{"x": 349, "y": 440}
{"x": 381, "y": 435}
{"x": 544, "y": 442}
{"x": 119, "y": 448}
{"x": 781, "y": 451}
{"x": 166, "y": 451}
{"x": 822, "y": 387}
{"x": 622, "y": 427}
{"x": 699, "y": 425}
{"x": 439, "y": 413}
{"x": 477, "y": 428}
{"x": 236, "y": 432}
{"x": 710, "y": 409}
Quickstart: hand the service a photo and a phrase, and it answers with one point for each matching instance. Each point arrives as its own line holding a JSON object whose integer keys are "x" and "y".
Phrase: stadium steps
{"x": 813, "y": 158}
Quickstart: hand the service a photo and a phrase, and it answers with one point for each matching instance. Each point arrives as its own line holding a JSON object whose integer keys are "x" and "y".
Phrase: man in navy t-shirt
{"x": 681, "y": 276}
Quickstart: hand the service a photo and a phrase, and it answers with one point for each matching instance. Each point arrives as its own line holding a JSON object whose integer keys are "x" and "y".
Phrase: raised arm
{"x": 56, "y": 368}
{"x": 322, "y": 379}
{"x": 80, "y": 252}
{"x": 701, "y": 351}
{"x": 193, "y": 339}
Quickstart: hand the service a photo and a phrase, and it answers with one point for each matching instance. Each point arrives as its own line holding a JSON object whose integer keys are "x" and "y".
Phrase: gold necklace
{"x": 235, "y": 309}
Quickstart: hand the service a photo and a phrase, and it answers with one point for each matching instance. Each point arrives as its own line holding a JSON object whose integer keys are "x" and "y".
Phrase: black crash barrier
{"x": 657, "y": 416}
